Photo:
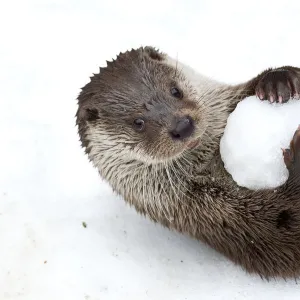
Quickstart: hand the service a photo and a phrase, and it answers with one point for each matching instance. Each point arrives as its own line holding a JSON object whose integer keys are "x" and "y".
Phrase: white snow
{"x": 255, "y": 134}
{"x": 47, "y": 186}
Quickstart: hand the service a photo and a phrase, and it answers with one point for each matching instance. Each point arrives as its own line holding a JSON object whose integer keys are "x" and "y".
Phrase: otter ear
{"x": 89, "y": 114}
{"x": 154, "y": 54}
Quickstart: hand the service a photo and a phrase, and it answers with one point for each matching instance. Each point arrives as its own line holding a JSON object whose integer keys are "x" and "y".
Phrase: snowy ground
{"x": 48, "y": 51}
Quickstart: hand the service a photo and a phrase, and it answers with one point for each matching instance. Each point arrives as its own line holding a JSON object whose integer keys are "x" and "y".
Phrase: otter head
{"x": 141, "y": 106}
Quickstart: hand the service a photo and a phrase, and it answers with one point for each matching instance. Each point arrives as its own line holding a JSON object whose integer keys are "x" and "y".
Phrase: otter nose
{"x": 183, "y": 128}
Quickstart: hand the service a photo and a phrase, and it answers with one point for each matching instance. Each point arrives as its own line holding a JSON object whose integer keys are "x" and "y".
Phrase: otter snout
{"x": 183, "y": 128}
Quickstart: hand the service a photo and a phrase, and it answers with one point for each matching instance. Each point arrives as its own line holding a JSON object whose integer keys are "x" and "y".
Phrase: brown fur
{"x": 184, "y": 188}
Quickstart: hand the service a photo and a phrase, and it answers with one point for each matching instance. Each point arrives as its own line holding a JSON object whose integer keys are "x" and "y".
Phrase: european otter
{"x": 152, "y": 128}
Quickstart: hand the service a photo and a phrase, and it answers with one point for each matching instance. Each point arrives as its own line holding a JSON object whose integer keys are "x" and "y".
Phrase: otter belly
{"x": 252, "y": 141}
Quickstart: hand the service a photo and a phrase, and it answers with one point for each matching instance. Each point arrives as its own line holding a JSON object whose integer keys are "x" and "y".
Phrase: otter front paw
{"x": 279, "y": 85}
{"x": 291, "y": 156}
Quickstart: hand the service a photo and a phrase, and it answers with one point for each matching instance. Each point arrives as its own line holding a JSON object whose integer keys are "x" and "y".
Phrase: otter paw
{"x": 279, "y": 85}
{"x": 292, "y": 154}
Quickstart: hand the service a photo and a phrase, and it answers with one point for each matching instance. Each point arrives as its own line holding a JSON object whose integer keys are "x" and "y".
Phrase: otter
{"x": 152, "y": 127}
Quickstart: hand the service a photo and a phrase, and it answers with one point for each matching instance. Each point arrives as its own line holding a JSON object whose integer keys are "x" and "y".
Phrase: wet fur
{"x": 186, "y": 190}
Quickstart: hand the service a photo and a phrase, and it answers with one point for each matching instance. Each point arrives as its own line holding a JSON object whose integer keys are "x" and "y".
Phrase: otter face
{"x": 142, "y": 106}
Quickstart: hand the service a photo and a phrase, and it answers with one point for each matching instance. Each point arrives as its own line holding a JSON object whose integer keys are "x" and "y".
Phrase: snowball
{"x": 254, "y": 135}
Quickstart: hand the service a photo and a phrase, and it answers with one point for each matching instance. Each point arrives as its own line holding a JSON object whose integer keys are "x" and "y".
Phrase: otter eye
{"x": 139, "y": 124}
{"x": 176, "y": 92}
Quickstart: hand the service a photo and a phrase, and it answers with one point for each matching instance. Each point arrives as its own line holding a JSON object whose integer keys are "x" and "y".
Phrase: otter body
{"x": 152, "y": 127}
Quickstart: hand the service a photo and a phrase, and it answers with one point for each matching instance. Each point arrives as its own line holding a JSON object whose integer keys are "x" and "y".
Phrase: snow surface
{"x": 47, "y": 186}
{"x": 255, "y": 134}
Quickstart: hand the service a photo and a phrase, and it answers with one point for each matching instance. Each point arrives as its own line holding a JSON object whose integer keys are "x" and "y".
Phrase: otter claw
{"x": 290, "y": 155}
{"x": 260, "y": 95}
{"x": 279, "y": 85}
{"x": 287, "y": 157}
